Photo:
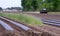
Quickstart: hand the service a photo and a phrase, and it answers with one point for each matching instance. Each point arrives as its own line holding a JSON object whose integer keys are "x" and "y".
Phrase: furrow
{"x": 18, "y": 24}
{"x": 5, "y": 25}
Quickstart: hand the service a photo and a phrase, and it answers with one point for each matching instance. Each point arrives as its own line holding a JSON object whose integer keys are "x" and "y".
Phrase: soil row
{"x": 47, "y": 28}
{"x": 36, "y": 31}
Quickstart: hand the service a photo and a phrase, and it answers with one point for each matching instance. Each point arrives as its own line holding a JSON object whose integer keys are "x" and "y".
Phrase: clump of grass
{"x": 23, "y": 18}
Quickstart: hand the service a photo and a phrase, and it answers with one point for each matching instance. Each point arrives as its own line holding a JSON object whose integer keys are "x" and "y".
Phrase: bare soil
{"x": 11, "y": 33}
{"x": 46, "y": 16}
{"x": 47, "y": 28}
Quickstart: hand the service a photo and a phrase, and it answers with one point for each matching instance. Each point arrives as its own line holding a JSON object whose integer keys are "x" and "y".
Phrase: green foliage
{"x": 1, "y": 8}
{"x": 23, "y": 18}
{"x": 29, "y": 4}
{"x": 51, "y": 5}
{"x": 34, "y": 4}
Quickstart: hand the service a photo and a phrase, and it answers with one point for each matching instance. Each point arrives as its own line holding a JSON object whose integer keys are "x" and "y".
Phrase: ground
{"x": 48, "y": 29}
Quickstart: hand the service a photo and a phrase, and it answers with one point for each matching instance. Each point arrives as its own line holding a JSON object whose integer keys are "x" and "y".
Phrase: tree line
{"x": 36, "y": 5}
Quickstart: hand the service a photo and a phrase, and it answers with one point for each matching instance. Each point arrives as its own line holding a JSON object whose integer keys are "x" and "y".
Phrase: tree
{"x": 29, "y": 4}
{"x": 51, "y": 5}
{"x": 0, "y": 8}
{"x": 34, "y": 4}
{"x": 54, "y": 4}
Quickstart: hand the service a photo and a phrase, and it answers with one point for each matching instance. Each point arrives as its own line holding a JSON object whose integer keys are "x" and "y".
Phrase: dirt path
{"x": 50, "y": 28}
{"x": 46, "y": 16}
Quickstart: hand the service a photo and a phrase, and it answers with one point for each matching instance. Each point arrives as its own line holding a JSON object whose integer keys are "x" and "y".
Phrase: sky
{"x": 10, "y": 3}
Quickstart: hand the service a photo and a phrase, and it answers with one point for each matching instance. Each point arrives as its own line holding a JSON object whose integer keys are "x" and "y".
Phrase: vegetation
{"x": 23, "y": 18}
{"x": 1, "y": 8}
{"x": 51, "y": 5}
{"x": 29, "y": 5}
{"x": 12, "y": 8}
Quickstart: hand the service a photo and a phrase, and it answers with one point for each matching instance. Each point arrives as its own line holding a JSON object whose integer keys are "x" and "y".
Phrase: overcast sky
{"x": 10, "y": 3}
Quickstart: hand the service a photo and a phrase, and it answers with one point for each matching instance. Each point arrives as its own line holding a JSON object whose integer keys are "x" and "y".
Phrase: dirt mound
{"x": 11, "y": 33}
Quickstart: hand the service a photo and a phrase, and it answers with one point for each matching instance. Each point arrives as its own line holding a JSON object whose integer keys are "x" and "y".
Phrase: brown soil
{"x": 25, "y": 33}
{"x": 15, "y": 27}
{"x": 46, "y": 16}
{"x": 4, "y": 32}
{"x": 1, "y": 28}
{"x": 11, "y": 33}
{"x": 47, "y": 28}
{"x": 51, "y": 28}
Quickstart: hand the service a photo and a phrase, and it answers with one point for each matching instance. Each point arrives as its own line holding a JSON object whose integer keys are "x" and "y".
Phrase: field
{"x": 34, "y": 21}
{"x": 22, "y": 18}
{"x": 54, "y": 13}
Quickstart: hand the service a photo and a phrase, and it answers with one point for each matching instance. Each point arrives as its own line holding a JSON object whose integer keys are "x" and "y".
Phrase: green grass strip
{"x": 23, "y": 18}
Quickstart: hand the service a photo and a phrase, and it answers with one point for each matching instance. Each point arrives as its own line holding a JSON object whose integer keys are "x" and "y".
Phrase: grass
{"x": 54, "y": 13}
{"x": 23, "y": 18}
